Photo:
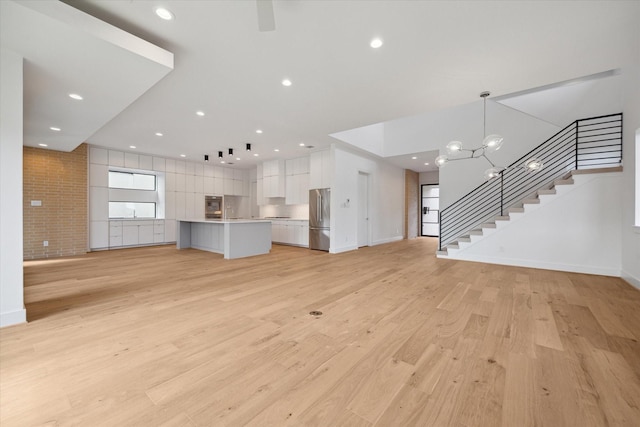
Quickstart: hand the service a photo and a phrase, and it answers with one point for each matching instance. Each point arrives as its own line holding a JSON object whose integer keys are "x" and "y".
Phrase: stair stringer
{"x": 577, "y": 229}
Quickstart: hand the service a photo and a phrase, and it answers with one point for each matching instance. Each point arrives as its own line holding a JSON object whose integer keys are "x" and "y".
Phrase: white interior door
{"x": 363, "y": 209}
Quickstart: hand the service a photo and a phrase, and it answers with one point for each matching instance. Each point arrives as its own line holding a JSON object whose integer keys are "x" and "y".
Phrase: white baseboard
{"x": 13, "y": 318}
{"x": 388, "y": 240}
{"x": 633, "y": 281}
{"x": 586, "y": 269}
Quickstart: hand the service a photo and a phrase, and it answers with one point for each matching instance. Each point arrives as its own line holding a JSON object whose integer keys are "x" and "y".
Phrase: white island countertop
{"x": 234, "y": 238}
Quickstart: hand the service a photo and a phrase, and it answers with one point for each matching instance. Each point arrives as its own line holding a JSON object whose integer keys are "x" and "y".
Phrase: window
{"x": 132, "y": 181}
{"x": 132, "y": 210}
{"x": 135, "y": 194}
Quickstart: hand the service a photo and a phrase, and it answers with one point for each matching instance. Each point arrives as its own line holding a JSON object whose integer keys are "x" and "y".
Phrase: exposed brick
{"x": 59, "y": 179}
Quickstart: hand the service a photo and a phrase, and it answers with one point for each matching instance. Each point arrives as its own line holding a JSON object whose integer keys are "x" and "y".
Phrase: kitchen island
{"x": 234, "y": 238}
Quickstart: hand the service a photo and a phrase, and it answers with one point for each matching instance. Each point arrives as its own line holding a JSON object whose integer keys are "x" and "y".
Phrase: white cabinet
{"x": 115, "y": 233}
{"x": 320, "y": 169}
{"x": 297, "y": 181}
{"x": 99, "y": 234}
{"x": 290, "y": 232}
{"x": 273, "y": 178}
{"x": 134, "y": 233}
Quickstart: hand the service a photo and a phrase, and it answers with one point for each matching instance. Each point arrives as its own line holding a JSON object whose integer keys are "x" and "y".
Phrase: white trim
{"x": 633, "y": 281}
{"x": 387, "y": 240}
{"x": 343, "y": 249}
{"x": 13, "y": 318}
{"x": 585, "y": 269}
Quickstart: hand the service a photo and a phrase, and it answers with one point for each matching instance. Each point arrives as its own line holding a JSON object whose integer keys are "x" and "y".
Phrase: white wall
{"x": 579, "y": 230}
{"x": 386, "y": 199}
{"x": 431, "y": 177}
{"x": 631, "y": 122}
{"x": 12, "y": 310}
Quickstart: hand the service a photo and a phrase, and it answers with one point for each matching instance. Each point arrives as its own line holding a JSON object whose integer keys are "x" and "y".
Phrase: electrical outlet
{"x": 45, "y": 243}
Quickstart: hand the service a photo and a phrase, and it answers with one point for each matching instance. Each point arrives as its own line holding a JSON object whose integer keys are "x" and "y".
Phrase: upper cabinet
{"x": 297, "y": 181}
{"x": 320, "y": 169}
{"x": 273, "y": 178}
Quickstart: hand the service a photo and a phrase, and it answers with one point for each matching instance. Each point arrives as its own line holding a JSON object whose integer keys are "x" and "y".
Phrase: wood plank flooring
{"x": 160, "y": 337}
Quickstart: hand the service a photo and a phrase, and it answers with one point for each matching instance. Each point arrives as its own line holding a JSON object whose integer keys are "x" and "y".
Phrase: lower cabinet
{"x": 135, "y": 233}
{"x": 290, "y": 232}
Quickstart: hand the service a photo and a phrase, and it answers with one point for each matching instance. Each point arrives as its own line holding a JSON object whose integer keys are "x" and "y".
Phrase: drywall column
{"x": 12, "y": 309}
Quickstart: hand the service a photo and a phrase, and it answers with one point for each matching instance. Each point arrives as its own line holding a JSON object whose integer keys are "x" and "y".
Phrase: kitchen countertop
{"x": 223, "y": 221}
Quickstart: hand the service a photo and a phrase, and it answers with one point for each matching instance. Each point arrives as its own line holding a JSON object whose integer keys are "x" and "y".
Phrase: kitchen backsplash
{"x": 291, "y": 211}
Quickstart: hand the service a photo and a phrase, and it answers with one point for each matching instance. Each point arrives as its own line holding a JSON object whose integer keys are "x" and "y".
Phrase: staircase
{"x": 591, "y": 145}
{"x": 542, "y": 196}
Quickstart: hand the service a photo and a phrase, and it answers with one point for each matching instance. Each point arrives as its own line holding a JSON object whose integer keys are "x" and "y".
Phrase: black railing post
{"x": 501, "y": 192}
{"x": 440, "y": 232}
{"x": 575, "y": 166}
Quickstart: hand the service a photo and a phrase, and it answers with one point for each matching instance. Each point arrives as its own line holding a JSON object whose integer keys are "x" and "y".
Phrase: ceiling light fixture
{"x": 286, "y": 82}
{"x": 183, "y": 155}
{"x": 258, "y": 130}
{"x": 276, "y": 149}
{"x": 165, "y": 14}
{"x": 55, "y": 129}
{"x": 220, "y": 154}
{"x": 301, "y": 144}
{"x": 222, "y": 161}
{"x": 158, "y": 133}
{"x": 376, "y": 43}
{"x": 426, "y": 164}
{"x": 413, "y": 158}
{"x": 248, "y": 146}
{"x": 490, "y": 144}
{"x": 75, "y": 96}
{"x": 238, "y": 158}
{"x": 231, "y": 151}
{"x": 43, "y": 145}
{"x": 255, "y": 154}
{"x": 206, "y": 157}
{"x": 132, "y": 146}
{"x": 200, "y": 113}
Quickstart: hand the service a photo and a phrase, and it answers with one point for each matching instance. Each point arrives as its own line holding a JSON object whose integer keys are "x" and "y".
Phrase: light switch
{"x": 36, "y": 203}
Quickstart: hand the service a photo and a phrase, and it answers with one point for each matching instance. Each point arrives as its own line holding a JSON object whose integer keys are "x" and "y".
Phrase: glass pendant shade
{"x": 454, "y": 147}
{"x": 533, "y": 164}
{"x": 492, "y": 173}
{"x": 441, "y": 160}
{"x": 492, "y": 142}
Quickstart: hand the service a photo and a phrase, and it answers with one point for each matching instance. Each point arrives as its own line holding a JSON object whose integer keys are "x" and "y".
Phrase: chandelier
{"x": 490, "y": 143}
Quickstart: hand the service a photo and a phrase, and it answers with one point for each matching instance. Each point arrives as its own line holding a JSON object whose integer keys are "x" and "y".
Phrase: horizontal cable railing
{"x": 585, "y": 144}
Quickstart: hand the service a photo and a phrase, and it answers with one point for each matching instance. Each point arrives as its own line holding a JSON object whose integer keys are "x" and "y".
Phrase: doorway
{"x": 430, "y": 210}
{"x": 363, "y": 209}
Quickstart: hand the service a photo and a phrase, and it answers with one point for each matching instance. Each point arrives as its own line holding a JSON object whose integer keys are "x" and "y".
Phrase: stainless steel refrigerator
{"x": 319, "y": 216}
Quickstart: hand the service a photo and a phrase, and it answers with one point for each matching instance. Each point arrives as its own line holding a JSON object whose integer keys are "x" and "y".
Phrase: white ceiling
{"x": 436, "y": 55}
{"x": 66, "y": 51}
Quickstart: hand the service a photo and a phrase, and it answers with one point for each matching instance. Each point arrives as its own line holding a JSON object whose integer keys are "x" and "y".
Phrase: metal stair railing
{"x": 590, "y": 143}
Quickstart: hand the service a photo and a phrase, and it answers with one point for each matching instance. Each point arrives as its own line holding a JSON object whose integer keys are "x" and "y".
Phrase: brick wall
{"x": 412, "y": 208}
{"x": 59, "y": 180}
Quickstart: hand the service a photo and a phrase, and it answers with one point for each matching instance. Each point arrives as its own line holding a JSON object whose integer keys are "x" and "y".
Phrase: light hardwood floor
{"x": 160, "y": 337}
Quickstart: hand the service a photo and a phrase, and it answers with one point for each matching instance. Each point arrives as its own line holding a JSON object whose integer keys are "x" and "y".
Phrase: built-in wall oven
{"x": 213, "y": 207}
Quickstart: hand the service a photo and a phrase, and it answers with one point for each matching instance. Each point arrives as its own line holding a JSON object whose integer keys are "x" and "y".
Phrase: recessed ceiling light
{"x": 426, "y": 164}
{"x": 43, "y": 145}
{"x": 75, "y": 96}
{"x": 413, "y": 158}
{"x": 237, "y": 158}
{"x": 158, "y": 133}
{"x": 165, "y": 14}
{"x": 200, "y": 113}
{"x": 53, "y": 128}
{"x": 286, "y": 82}
{"x": 301, "y": 144}
{"x": 222, "y": 161}
{"x": 132, "y": 146}
{"x": 183, "y": 155}
{"x": 255, "y": 154}
{"x": 376, "y": 43}
{"x": 258, "y": 130}
{"x": 276, "y": 149}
